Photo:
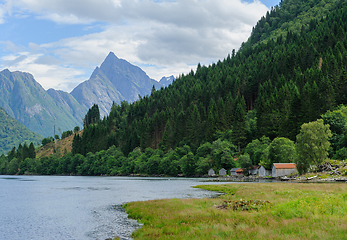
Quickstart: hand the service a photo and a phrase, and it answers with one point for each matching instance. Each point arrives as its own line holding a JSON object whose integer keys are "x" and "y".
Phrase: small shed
{"x": 264, "y": 172}
{"x": 254, "y": 170}
{"x": 222, "y": 172}
{"x": 283, "y": 169}
{"x": 233, "y": 171}
{"x": 211, "y": 172}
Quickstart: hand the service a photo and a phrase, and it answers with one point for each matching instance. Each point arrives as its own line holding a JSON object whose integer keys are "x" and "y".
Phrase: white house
{"x": 222, "y": 172}
{"x": 283, "y": 169}
{"x": 264, "y": 172}
{"x": 211, "y": 172}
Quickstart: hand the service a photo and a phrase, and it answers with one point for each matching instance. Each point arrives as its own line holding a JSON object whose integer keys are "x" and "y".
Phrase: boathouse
{"x": 283, "y": 169}
{"x": 263, "y": 172}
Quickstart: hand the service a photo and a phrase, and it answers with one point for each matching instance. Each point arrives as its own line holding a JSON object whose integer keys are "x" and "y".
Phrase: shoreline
{"x": 251, "y": 178}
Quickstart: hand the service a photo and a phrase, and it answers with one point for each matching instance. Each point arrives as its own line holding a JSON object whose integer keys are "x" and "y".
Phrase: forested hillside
{"x": 292, "y": 70}
{"x": 270, "y": 88}
{"x": 13, "y": 133}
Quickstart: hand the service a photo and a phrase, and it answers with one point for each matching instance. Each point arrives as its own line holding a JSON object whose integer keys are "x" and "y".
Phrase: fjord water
{"x": 75, "y": 207}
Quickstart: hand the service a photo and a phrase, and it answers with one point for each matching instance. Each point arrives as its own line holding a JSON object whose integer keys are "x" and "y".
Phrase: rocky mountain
{"x": 65, "y": 101}
{"x": 39, "y": 110}
{"x": 167, "y": 80}
{"x": 13, "y": 133}
{"x": 28, "y": 102}
{"x": 116, "y": 80}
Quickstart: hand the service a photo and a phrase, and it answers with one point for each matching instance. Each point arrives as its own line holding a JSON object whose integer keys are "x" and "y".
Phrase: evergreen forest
{"x": 250, "y": 106}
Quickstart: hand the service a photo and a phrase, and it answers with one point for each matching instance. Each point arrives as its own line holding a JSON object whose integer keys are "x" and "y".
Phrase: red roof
{"x": 239, "y": 170}
{"x": 285, "y": 165}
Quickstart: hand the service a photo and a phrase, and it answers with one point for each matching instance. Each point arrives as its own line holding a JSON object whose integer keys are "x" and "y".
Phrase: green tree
{"x": 245, "y": 161}
{"x": 337, "y": 121}
{"x": 32, "y": 152}
{"x": 76, "y": 129}
{"x": 239, "y": 132}
{"x": 256, "y": 149}
{"x": 312, "y": 144}
{"x": 281, "y": 150}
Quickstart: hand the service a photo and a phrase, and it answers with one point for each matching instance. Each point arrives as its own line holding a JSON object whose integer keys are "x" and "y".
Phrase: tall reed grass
{"x": 297, "y": 211}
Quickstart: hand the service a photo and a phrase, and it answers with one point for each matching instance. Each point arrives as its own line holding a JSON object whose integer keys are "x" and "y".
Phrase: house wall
{"x": 282, "y": 172}
{"x": 222, "y": 172}
{"x": 211, "y": 172}
{"x": 263, "y": 172}
{"x": 274, "y": 172}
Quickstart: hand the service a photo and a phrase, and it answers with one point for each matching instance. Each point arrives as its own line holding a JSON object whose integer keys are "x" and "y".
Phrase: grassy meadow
{"x": 294, "y": 211}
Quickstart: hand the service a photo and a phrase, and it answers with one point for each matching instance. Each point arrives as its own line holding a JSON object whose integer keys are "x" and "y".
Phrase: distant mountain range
{"x": 116, "y": 80}
{"x": 53, "y": 111}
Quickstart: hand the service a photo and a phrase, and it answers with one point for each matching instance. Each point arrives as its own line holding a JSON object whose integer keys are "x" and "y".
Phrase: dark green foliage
{"x": 66, "y": 134}
{"x": 47, "y": 140}
{"x": 257, "y": 149}
{"x": 245, "y": 162}
{"x": 337, "y": 121}
{"x": 92, "y": 116}
{"x": 76, "y": 129}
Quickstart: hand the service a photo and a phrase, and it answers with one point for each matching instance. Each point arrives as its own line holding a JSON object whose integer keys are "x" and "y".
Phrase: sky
{"x": 61, "y": 42}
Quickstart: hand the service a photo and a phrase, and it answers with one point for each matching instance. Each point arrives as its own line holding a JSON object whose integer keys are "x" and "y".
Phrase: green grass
{"x": 297, "y": 211}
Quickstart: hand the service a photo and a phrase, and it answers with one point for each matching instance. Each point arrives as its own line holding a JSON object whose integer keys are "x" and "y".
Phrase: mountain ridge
{"x": 115, "y": 80}
{"x": 41, "y": 111}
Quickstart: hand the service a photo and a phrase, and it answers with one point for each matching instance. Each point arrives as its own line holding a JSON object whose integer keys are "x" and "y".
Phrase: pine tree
{"x": 239, "y": 131}
{"x": 32, "y": 152}
{"x": 211, "y": 124}
{"x": 295, "y": 119}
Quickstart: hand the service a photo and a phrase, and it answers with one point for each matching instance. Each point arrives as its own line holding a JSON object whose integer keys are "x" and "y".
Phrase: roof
{"x": 239, "y": 170}
{"x": 285, "y": 165}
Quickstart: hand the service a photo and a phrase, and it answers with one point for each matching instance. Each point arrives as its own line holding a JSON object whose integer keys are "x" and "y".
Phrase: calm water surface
{"x": 64, "y": 207}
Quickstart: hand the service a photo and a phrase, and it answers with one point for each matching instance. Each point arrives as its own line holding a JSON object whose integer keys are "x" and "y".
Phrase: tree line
{"x": 311, "y": 148}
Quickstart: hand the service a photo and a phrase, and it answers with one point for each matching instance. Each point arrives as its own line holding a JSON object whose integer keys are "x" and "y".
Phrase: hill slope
{"x": 13, "y": 133}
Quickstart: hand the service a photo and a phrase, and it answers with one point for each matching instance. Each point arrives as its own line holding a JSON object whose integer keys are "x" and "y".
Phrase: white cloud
{"x": 164, "y": 38}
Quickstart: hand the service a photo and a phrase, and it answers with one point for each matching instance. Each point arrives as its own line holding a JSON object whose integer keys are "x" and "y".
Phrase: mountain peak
{"x": 5, "y": 71}
{"x": 167, "y": 80}
{"x": 111, "y": 55}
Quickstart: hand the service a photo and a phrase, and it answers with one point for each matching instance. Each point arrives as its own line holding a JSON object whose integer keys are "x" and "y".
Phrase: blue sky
{"x": 61, "y": 42}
